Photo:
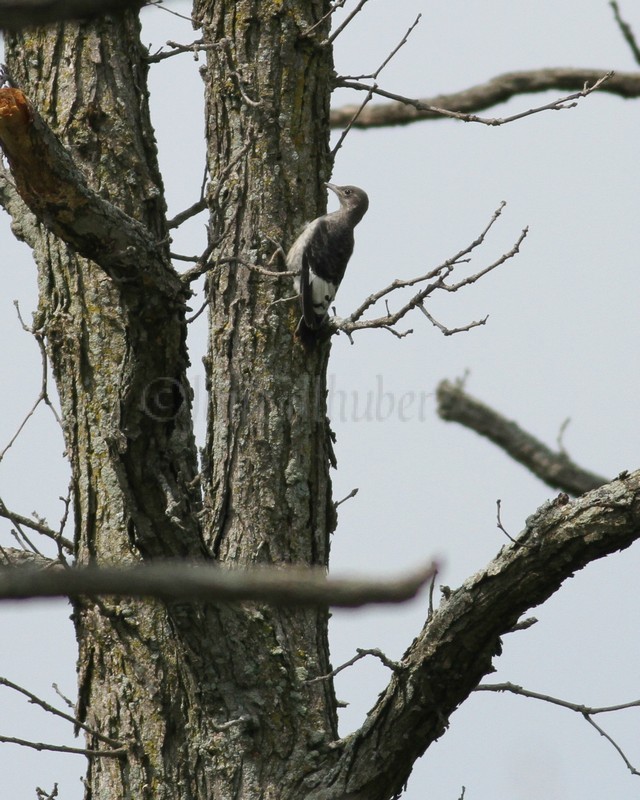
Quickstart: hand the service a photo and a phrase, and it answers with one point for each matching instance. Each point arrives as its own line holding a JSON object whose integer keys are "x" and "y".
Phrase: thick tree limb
{"x": 459, "y": 641}
{"x": 17, "y": 14}
{"x": 181, "y": 581}
{"x": 486, "y": 95}
{"x": 554, "y": 468}
{"x": 54, "y": 189}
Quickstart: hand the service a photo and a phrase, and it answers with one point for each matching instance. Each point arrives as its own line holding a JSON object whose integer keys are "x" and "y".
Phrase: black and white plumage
{"x": 320, "y": 256}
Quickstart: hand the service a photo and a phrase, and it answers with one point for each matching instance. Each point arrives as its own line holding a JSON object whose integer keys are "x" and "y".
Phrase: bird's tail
{"x": 308, "y": 336}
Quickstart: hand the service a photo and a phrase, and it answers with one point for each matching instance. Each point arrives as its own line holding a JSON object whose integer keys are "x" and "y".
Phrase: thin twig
{"x": 563, "y": 103}
{"x": 62, "y": 696}
{"x": 183, "y": 216}
{"x": 451, "y": 331}
{"x": 437, "y": 278}
{"x": 402, "y": 42}
{"x": 39, "y": 527}
{"x": 351, "y": 123}
{"x": 432, "y": 585}
{"x": 194, "y": 47}
{"x": 200, "y": 269}
{"x": 394, "y": 666}
{"x": 55, "y": 711}
{"x": 334, "y": 7}
{"x": 585, "y": 711}
{"x": 43, "y": 396}
{"x": 341, "y": 27}
{"x": 158, "y": 4}
{"x": 58, "y": 748}
{"x": 351, "y": 494}
{"x": 369, "y": 96}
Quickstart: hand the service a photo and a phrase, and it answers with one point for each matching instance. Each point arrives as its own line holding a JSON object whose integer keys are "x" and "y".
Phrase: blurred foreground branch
{"x": 554, "y": 468}
{"x": 177, "y": 580}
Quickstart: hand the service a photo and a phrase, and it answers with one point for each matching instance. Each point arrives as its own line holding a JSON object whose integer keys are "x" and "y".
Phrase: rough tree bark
{"x": 225, "y": 710}
{"x": 214, "y": 701}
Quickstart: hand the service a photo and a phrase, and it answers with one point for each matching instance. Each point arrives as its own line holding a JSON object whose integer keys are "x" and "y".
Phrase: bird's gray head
{"x": 352, "y": 200}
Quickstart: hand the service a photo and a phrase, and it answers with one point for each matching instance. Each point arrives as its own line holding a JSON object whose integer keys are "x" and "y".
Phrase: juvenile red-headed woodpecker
{"x": 320, "y": 256}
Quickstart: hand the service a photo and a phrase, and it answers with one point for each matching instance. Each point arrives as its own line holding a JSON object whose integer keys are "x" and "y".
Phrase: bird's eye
{"x": 347, "y": 191}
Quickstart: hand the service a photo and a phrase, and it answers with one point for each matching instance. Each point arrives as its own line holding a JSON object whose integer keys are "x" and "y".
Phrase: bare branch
{"x": 451, "y": 331}
{"x": 438, "y": 282}
{"x": 195, "y": 47}
{"x": 440, "y": 670}
{"x": 59, "y": 748}
{"x": 626, "y": 31}
{"x": 333, "y": 8}
{"x": 586, "y": 711}
{"x": 554, "y": 468}
{"x": 341, "y": 27}
{"x": 56, "y": 712}
{"x": 183, "y": 216}
{"x": 20, "y": 519}
{"x": 557, "y": 105}
{"x": 352, "y": 121}
{"x": 291, "y": 586}
{"x": 205, "y": 265}
{"x": 159, "y": 5}
{"x": 369, "y": 95}
{"x": 360, "y": 653}
{"x": 462, "y": 105}
{"x": 351, "y": 494}
{"x": 395, "y": 50}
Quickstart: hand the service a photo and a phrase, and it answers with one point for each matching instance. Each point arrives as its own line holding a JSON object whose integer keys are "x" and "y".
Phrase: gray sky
{"x": 561, "y": 341}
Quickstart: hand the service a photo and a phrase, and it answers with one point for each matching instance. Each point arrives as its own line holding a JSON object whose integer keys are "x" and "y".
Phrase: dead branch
{"x": 183, "y": 216}
{"x": 463, "y": 104}
{"x": 43, "y": 395}
{"x": 291, "y": 586}
{"x": 56, "y": 712}
{"x": 437, "y": 278}
{"x": 51, "y": 185}
{"x": 344, "y": 24}
{"x": 373, "y": 76}
{"x": 360, "y": 653}
{"x": 196, "y": 47}
{"x": 440, "y": 670}
{"x": 332, "y": 9}
{"x": 554, "y": 468}
{"x": 59, "y": 748}
{"x": 35, "y": 525}
{"x": 585, "y": 711}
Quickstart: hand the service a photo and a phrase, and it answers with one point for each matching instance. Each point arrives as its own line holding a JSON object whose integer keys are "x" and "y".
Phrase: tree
{"x": 226, "y": 681}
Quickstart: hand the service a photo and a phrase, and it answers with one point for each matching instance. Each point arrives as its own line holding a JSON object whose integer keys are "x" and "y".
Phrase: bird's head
{"x": 352, "y": 199}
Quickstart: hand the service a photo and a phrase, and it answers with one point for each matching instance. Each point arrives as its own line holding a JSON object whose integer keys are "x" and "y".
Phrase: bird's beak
{"x": 333, "y": 188}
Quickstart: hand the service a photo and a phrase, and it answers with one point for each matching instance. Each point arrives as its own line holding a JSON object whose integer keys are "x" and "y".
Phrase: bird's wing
{"x": 323, "y": 262}
{"x": 316, "y": 294}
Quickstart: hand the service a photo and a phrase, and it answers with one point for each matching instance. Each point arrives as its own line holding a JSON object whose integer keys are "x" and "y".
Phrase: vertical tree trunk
{"x": 210, "y": 701}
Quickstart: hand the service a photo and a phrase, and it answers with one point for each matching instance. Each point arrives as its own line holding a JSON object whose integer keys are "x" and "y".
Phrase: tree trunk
{"x": 210, "y": 701}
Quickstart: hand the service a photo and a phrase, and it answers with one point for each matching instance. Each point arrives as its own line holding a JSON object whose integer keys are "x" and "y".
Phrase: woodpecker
{"x": 320, "y": 256}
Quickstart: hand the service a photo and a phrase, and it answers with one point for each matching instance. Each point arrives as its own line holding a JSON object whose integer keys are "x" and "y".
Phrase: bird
{"x": 320, "y": 256}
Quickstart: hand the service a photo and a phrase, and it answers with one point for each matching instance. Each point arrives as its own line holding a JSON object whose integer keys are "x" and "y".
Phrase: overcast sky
{"x": 562, "y": 341}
